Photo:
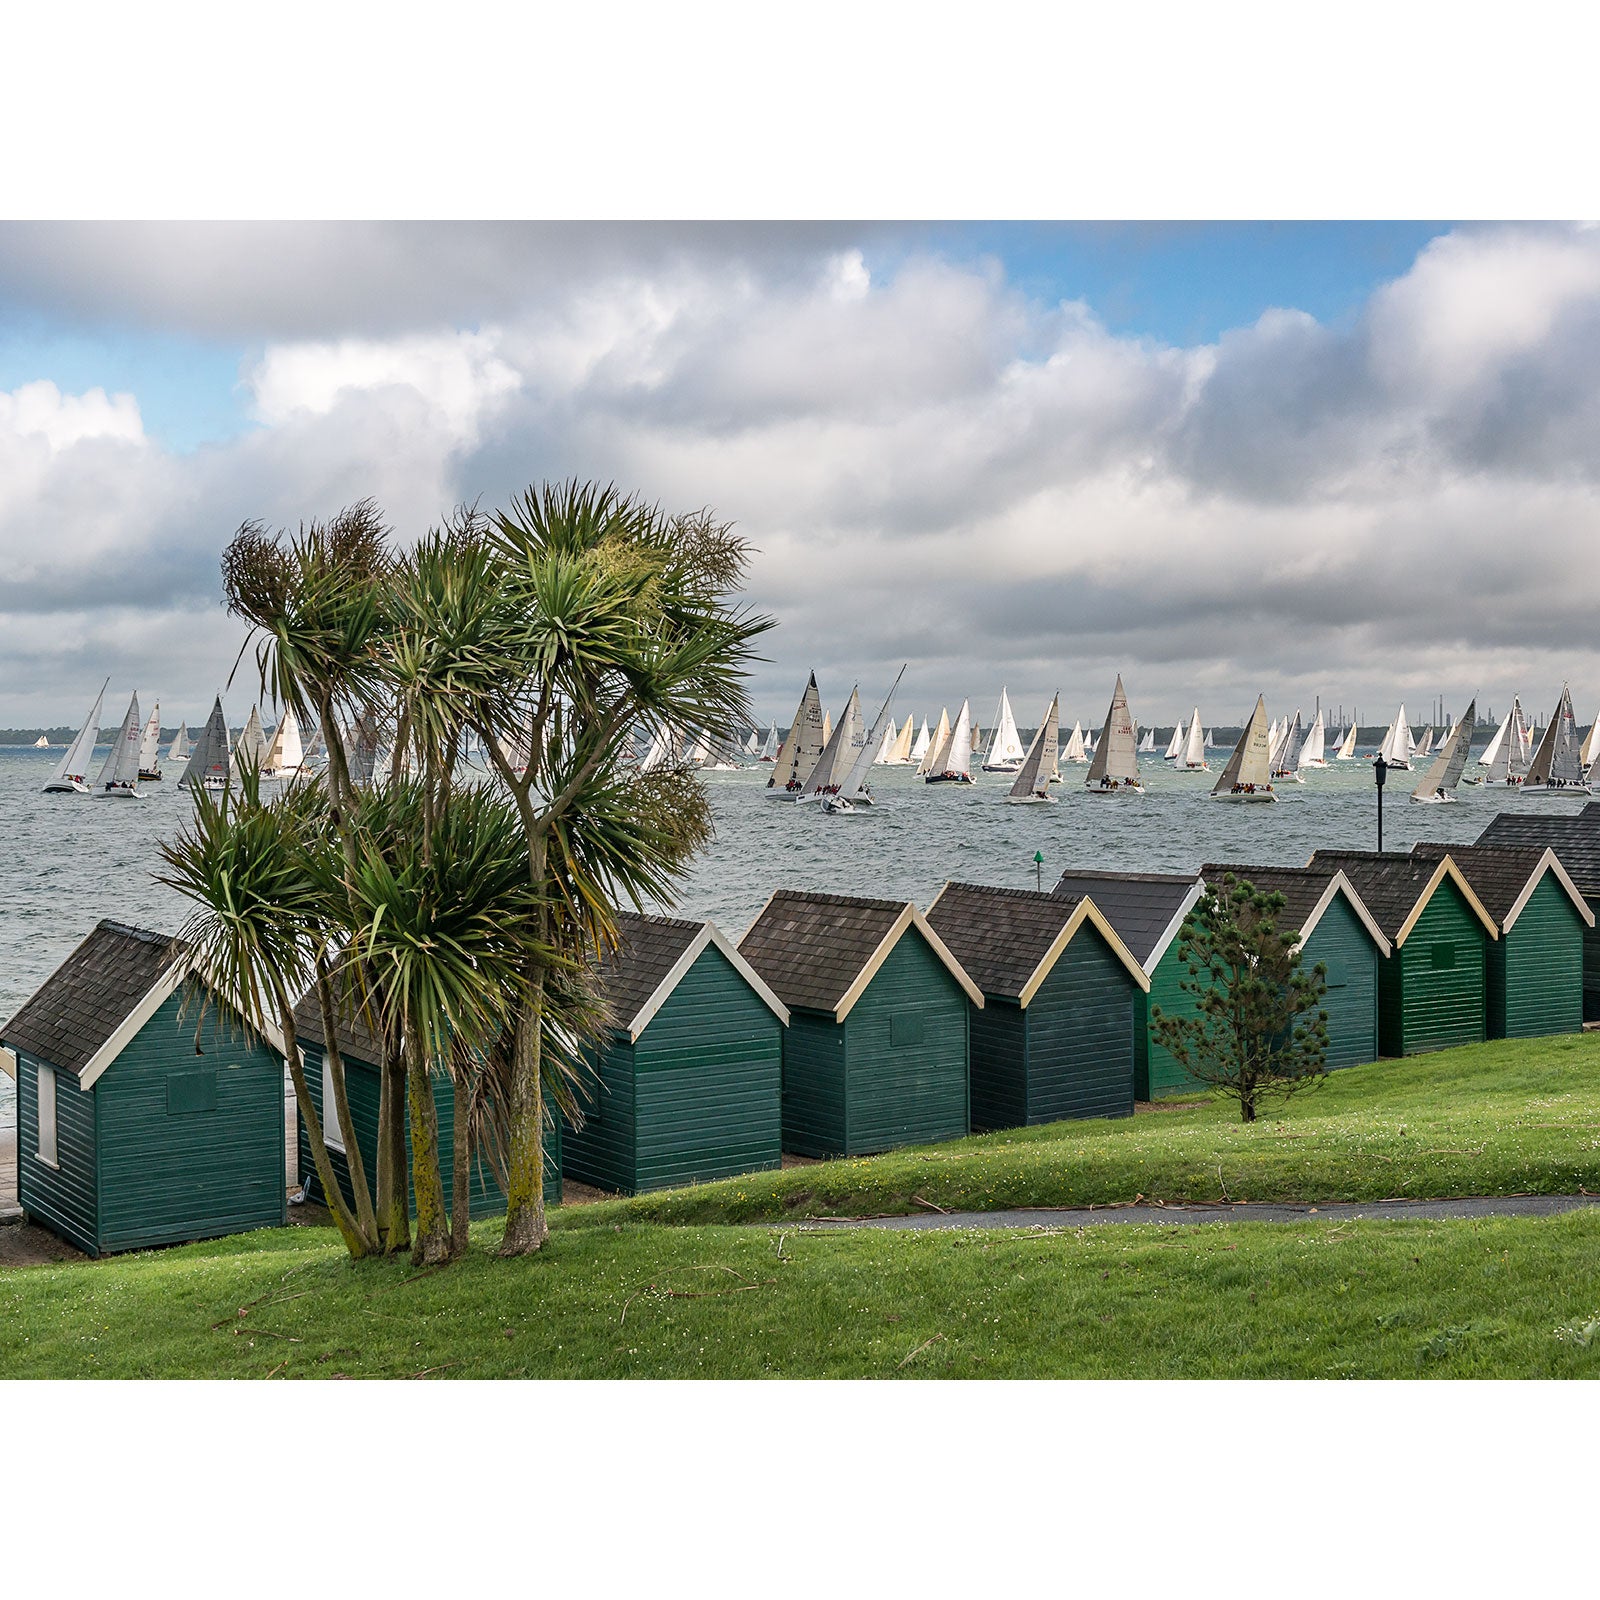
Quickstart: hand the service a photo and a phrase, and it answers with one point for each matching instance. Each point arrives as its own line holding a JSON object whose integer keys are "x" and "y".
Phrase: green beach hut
{"x": 360, "y": 1052}
{"x": 1536, "y": 965}
{"x": 688, "y": 1086}
{"x": 147, "y": 1114}
{"x": 1335, "y": 927}
{"x": 1147, "y": 910}
{"x": 1432, "y": 988}
{"x": 1053, "y": 1039}
{"x": 1576, "y": 841}
{"x": 875, "y": 1054}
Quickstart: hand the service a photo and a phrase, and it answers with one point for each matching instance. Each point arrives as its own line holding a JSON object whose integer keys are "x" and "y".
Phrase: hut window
{"x": 47, "y": 1115}
{"x": 1444, "y": 955}
{"x": 191, "y": 1091}
{"x": 905, "y": 1027}
{"x": 332, "y": 1133}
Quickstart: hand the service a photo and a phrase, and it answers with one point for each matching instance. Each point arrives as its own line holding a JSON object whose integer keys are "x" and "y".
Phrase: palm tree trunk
{"x": 394, "y": 1197}
{"x": 460, "y": 1166}
{"x": 526, "y": 1229}
{"x": 432, "y": 1245}
{"x": 365, "y": 1218}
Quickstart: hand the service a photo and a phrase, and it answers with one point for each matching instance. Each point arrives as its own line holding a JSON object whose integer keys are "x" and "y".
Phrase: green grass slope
{"x": 1495, "y": 1298}
{"x": 1513, "y": 1117}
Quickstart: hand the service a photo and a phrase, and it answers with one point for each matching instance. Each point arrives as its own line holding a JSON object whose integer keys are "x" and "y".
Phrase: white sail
{"x": 1116, "y": 758}
{"x": 834, "y": 761}
{"x": 1424, "y": 745}
{"x": 72, "y": 771}
{"x": 150, "y": 741}
{"x": 936, "y": 745}
{"x": 251, "y": 750}
{"x": 121, "y": 770}
{"x": 1287, "y": 755}
{"x": 1249, "y": 768}
{"x": 1591, "y": 745}
{"x": 1506, "y": 758}
{"x": 209, "y": 764}
{"x": 827, "y": 726}
{"x": 1555, "y": 763}
{"x": 900, "y": 756}
{"x": 1194, "y": 748}
{"x": 1075, "y": 750}
{"x": 1005, "y": 751}
{"x": 752, "y": 745}
{"x": 287, "y": 752}
{"x": 953, "y": 762}
{"x": 769, "y": 746}
{"x": 1211, "y": 744}
{"x": 854, "y": 733}
{"x": 1315, "y": 743}
{"x": 854, "y": 788}
{"x": 1147, "y": 745}
{"x": 180, "y": 746}
{"x": 924, "y": 739}
{"x": 663, "y": 749}
{"x": 1347, "y": 749}
{"x": 1441, "y": 778}
{"x": 1175, "y": 743}
{"x": 1039, "y": 761}
{"x": 799, "y": 753}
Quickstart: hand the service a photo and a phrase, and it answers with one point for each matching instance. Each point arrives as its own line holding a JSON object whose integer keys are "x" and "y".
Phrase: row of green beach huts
{"x": 837, "y": 1026}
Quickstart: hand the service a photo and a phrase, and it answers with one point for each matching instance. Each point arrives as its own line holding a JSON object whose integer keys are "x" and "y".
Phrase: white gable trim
{"x": 160, "y": 992}
{"x": 1197, "y": 889}
{"x": 1550, "y": 862}
{"x": 1446, "y": 869}
{"x": 1339, "y": 884}
{"x": 910, "y": 917}
{"x": 8, "y": 1062}
{"x": 707, "y": 936}
{"x": 1085, "y": 911}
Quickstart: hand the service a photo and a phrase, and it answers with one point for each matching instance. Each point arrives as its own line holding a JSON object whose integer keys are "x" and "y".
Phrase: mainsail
{"x": 939, "y": 741}
{"x": 72, "y": 771}
{"x": 150, "y": 741}
{"x": 1194, "y": 747}
{"x": 121, "y": 769}
{"x": 1347, "y": 750}
{"x": 1038, "y": 764}
{"x": 799, "y": 753}
{"x": 1445, "y": 773}
{"x": 854, "y": 788}
{"x": 287, "y": 752}
{"x": 1316, "y": 741}
{"x": 1005, "y": 748}
{"x": 209, "y": 762}
{"x": 1075, "y": 750}
{"x": 1556, "y": 763}
{"x": 1250, "y": 765}
{"x": 1116, "y": 758}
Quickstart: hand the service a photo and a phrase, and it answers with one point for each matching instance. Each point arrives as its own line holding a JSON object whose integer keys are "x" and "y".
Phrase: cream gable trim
{"x": 910, "y": 917}
{"x": 1446, "y": 869}
{"x": 8, "y": 1062}
{"x": 1549, "y": 862}
{"x": 1339, "y": 884}
{"x": 708, "y": 936}
{"x": 1085, "y": 911}
{"x": 1189, "y": 902}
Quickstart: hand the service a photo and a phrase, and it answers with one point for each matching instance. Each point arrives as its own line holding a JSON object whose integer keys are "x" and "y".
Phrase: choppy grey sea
{"x": 70, "y": 860}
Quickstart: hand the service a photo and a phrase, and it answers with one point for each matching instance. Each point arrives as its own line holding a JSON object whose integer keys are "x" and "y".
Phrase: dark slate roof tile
{"x": 1389, "y": 885}
{"x": 650, "y": 948}
{"x": 1301, "y": 887}
{"x": 1575, "y": 839}
{"x": 351, "y": 1028}
{"x": 809, "y": 948}
{"x": 999, "y": 935}
{"x": 90, "y": 995}
{"x": 1498, "y": 873}
{"x": 1139, "y": 905}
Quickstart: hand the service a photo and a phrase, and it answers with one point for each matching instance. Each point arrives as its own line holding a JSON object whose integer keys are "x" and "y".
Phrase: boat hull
{"x": 1259, "y": 798}
{"x": 1030, "y": 800}
{"x": 1121, "y": 789}
{"x": 1559, "y": 790}
{"x": 118, "y": 792}
{"x": 1013, "y": 767}
{"x": 66, "y": 786}
{"x": 1440, "y": 799}
{"x": 948, "y": 777}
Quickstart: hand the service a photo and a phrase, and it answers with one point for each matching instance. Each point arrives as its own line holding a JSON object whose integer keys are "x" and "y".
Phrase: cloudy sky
{"x": 1349, "y": 460}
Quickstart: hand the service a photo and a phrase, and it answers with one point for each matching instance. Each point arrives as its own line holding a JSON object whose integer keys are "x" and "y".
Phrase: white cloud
{"x": 39, "y": 411}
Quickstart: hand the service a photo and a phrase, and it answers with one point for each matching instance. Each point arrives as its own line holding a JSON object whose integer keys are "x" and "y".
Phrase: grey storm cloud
{"x": 933, "y": 466}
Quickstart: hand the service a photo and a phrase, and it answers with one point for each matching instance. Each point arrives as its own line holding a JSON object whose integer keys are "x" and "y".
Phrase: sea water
{"x": 70, "y": 859}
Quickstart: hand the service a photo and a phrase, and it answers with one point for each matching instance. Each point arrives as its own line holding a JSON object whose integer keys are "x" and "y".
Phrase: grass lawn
{"x": 1494, "y": 1298}
{"x": 1513, "y": 1117}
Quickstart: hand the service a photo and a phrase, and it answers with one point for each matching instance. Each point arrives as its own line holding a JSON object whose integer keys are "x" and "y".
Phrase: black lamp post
{"x": 1380, "y": 771}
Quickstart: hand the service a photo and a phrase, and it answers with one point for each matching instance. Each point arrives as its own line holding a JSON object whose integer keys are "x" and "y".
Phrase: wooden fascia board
{"x": 1084, "y": 911}
{"x": 1549, "y": 862}
{"x": 1446, "y": 869}
{"x": 708, "y": 936}
{"x": 1339, "y": 884}
{"x": 910, "y": 917}
{"x": 1189, "y": 900}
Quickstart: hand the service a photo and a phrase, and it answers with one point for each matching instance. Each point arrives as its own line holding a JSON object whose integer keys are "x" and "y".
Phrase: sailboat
{"x": 1075, "y": 750}
{"x": 941, "y": 736}
{"x": 718, "y": 754}
{"x": 924, "y": 739}
{"x": 1507, "y": 757}
{"x": 287, "y": 752}
{"x": 800, "y": 751}
{"x": 769, "y": 746}
{"x": 885, "y": 752}
{"x": 1347, "y": 746}
{"x": 1193, "y": 757}
{"x": 1591, "y": 745}
{"x": 208, "y": 763}
{"x": 150, "y": 747}
{"x": 827, "y": 775}
{"x": 1311, "y": 752}
{"x": 1424, "y": 745}
{"x": 251, "y": 750}
{"x": 1397, "y": 747}
{"x": 72, "y": 771}
{"x": 1175, "y": 743}
{"x": 1555, "y": 768}
{"x": 1247, "y": 778}
{"x": 119, "y": 777}
{"x": 952, "y": 761}
{"x": 1005, "y": 748}
{"x": 900, "y": 754}
{"x": 1210, "y": 744}
{"x": 752, "y": 745}
{"x": 1034, "y": 777}
{"x": 848, "y": 797}
{"x": 1147, "y": 745}
{"x": 41, "y": 743}
{"x": 1115, "y": 767}
{"x": 179, "y": 750}
{"x": 1438, "y": 783}
{"x": 1286, "y": 758}
{"x": 663, "y": 750}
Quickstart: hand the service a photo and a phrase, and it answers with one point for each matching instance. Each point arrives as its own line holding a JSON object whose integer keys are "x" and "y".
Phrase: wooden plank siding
{"x": 1591, "y": 963}
{"x": 64, "y": 1197}
{"x": 998, "y": 1036}
{"x": 815, "y": 1122}
{"x": 1431, "y": 992}
{"x": 174, "y": 1164}
{"x": 1157, "y": 1072}
{"x": 1535, "y": 972}
{"x": 901, "y": 1093}
{"x": 1080, "y": 1057}
{"x": 1342, "y": 942}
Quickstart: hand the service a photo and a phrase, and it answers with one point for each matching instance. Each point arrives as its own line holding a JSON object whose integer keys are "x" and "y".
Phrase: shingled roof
{"x": 1504, "y": 876}
{"x": 1009, "y": 939}
{"x": 1575, "y": 839}
{"x": 1307, "y": 893}
{"x": 1396, "y": 888}
{"x": 653, "y": 956}
{"x": 1146, "y": 908}
{"x": 76, "y": 1010}
{"x": 819, "y": 951}
{"x": 356, "y": 1041}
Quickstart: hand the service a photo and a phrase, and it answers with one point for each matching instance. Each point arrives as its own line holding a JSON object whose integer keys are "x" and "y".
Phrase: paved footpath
{"x": 1523, "y": 1205}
